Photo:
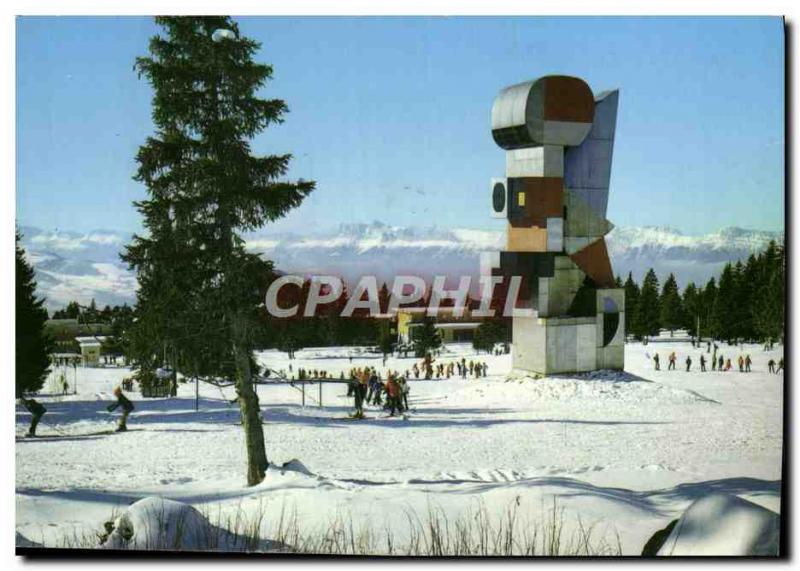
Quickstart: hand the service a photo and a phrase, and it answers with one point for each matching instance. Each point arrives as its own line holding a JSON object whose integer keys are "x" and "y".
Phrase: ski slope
{"x": 624, "y": 451}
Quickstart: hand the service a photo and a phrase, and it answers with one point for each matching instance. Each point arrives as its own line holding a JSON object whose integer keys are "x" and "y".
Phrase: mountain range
{"x": 84, "y": 266}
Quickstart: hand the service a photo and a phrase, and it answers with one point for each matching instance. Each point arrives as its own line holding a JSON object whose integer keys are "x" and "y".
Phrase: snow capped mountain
{"x": 74, "y": 266}
{"x": 690, "y": 258}
{"x": 83, "y": 266}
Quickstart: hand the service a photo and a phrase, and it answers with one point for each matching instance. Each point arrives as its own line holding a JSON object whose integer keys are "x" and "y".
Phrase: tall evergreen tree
{"x": 723, "y": 316}
{"x": 33, "y": 345}
{"x": 648, "y": 311}
{"x": 769, "y": 297}
{"x": 707, "y": 298}
{"x": 631, "y": 304}
{"x": 198, "y": 284}
{"x": 671, "y": 311}
{"x": 691, "y": 308}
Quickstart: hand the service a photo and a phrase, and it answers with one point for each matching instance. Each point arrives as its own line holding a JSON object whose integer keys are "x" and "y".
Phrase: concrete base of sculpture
{"x": 555, "y": 345}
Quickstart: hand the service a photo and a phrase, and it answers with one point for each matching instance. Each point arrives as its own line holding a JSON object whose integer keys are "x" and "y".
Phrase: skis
{"x": 45, "y": 437}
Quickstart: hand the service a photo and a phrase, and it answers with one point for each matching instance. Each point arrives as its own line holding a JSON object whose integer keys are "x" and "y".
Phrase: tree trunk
{"x": 251, "y": 414}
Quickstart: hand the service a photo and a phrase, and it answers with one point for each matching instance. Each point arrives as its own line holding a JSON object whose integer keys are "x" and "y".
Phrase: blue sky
{"x": 391, "y": 115}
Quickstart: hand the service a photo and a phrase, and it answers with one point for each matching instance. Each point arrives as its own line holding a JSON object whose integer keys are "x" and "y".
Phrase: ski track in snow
{"x": 627, "y": 450}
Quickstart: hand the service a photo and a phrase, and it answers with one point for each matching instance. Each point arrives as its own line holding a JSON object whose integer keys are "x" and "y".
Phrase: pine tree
{"x": 33, "y": 345}
{"x": 632, "y": 294}
{"x": 769, "y": 296}
{"x": 723, "y": 316}
{"x": 426, "y": 337}
{"x": 671, "y": 311}
{"x": 747, "y": 283}
{"x": 738, "y": 309}
{"x": 488, "y": 334}
{"x": 691, "y": 308}
{"x": 707, "y": 298}
{"x": 648, "y": 311}
{"x": 198, "y": 284}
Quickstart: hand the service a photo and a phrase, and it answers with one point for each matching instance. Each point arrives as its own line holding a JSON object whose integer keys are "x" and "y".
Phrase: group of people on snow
{"x": 718, "y": 363}
{"x": 460, "y": 368}
{"x": 366, "y": 386}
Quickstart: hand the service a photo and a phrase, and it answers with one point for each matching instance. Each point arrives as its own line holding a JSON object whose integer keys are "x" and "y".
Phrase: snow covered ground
{"x": 627, "y": 452}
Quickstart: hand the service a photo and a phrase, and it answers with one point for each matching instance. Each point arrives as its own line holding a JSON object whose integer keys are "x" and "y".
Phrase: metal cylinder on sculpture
{"x": 558, "y": 137}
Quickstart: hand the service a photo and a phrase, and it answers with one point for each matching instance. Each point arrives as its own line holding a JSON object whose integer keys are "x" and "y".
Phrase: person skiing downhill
{"x": 127, "y": 407}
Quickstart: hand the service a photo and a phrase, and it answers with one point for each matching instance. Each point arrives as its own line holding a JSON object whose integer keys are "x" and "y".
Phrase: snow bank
{"x": 722, "y": 524}
{"x": 156, "y": 523}
{"x": 598, "y": 386}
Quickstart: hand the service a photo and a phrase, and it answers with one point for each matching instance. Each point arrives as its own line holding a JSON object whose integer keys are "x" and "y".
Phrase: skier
{"x": 37, "y": 411}
{"x": 393, "y": 392}
{"x": 771, "y": 365}
{"x": 747, "y": 362}
{"x": 359, "y": 391}
{"x": 404, "y": 390}
{"x": 427, "y": 364}
{"x": 688, "y": 363}
{"x": 127, "y": 407}
{"x": 702, "y": 363}
{"x": 740, "y": 360}
{"x": 728, "y": 365}
{"x": 721, "y": 362}
{"x": 672, "y": 359}
{"x": 378, "y": 390}
{"x": 780, "y": 366}
{"x": 371, "y": 386}
{"x": 657, "y": 361}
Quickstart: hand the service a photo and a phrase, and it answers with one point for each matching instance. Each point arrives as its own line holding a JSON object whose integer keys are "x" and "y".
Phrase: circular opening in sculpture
{"x": 499, "y": 197}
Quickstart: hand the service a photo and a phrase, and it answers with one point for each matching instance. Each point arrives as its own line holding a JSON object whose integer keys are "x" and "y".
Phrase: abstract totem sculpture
{"x": 558, "y": 139}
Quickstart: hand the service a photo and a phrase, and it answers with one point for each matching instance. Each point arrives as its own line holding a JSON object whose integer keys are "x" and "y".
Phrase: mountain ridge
{"x": 85, "y": 265}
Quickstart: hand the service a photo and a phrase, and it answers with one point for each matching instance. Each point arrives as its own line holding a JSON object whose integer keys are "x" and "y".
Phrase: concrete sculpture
{"x": 558, "y": 137}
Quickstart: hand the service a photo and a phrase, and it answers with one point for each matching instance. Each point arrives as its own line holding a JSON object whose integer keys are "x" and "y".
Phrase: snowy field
{"x": 625, "y": 452}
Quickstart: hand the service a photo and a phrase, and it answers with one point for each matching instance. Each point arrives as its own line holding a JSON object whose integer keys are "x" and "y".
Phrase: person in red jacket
{"x": 393, "y": 392}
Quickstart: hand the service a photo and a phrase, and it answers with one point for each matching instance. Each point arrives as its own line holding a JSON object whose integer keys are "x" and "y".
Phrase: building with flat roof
{"x": 91, "y": 348}
{"x": 452, "y": 328}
